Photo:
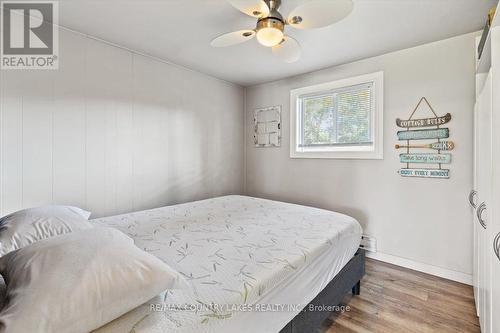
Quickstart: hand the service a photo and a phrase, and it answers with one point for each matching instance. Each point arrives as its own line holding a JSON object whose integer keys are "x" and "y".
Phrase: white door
{"x": 494, "y": 216}
{"x": 473, "y": 204}
{"x": 484, "y": 201}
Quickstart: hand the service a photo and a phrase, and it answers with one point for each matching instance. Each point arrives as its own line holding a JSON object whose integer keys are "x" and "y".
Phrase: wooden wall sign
{"x": 433, "y": 132}
{"x": 442, "y": 145}
{"x": 425, "y": 158}
{"x": 440, "y": 133}
{"x": 426, "y": 173}
{"x": 427, "y": 122}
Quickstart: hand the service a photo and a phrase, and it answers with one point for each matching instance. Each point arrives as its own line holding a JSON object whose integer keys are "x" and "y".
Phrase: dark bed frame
{"x": 348, "y": 279}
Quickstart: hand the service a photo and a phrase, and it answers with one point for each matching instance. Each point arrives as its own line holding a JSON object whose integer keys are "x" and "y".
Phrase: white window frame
{"x": 374, "y": 151}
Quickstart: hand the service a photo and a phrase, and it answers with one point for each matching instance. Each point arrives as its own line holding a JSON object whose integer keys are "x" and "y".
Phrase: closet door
{"x": 494, "y": 248}
{"x": 484, "y": 201}
{"x": 495, "y": 253}
{"x": 495, "y": 211}
{"x": 473, "y": 206}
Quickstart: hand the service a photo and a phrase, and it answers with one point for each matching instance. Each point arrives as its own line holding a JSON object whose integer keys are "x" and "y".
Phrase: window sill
{"x": 345, "y": 155}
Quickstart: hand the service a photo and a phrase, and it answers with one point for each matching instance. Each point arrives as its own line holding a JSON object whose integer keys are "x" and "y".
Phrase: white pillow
{"x": 79, "y": 281}
{"x": 28, "y": 226}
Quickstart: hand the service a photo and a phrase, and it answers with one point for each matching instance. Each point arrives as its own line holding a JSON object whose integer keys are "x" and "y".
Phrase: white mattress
{"x": 238, "y": 253}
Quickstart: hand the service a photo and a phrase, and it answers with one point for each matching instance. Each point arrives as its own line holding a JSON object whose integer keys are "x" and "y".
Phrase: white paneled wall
{"x": 112, "y": 131}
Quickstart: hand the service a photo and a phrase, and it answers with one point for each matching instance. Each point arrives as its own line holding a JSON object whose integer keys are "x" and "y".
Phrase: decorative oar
{"x": 443, "y": 145}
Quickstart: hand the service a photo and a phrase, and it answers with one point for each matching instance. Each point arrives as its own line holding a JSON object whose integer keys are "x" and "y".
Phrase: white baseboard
{"x": 425, "y": 268}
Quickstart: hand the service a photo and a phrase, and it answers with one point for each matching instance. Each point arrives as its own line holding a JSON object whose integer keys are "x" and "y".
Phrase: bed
{"x": 251, "y": 265}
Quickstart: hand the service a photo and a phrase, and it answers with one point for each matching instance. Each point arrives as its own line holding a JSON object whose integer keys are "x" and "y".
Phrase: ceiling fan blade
{"x": 254, "y": 8}
{"x": 288, "y": 50}
{"x": 319, "y": 13}
{"x": 232, "y": 38}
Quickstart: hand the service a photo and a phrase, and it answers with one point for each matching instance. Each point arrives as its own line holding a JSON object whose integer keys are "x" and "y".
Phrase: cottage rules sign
{"x": 427, "y": 153}
{"x": 29, "y": 35}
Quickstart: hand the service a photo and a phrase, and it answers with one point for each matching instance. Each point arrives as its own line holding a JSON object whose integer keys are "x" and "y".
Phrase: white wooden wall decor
{"x": 433, "y": 158}
{"x": 267, "y": 130}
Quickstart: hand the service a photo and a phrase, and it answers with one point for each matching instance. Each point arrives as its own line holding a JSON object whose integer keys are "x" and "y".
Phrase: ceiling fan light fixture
{"x": 270, "y": 31}
{"x": 270, "y": 27}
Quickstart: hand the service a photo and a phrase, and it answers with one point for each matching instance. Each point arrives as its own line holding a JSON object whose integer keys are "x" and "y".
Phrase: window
{"x": 340, "y": 119}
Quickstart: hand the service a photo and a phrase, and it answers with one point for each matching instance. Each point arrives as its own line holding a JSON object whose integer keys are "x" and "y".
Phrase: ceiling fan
{"x": 270, "y": 29}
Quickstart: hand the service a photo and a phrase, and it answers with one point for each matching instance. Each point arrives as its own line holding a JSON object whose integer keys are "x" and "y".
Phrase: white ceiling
{"x": 180, "y": 31}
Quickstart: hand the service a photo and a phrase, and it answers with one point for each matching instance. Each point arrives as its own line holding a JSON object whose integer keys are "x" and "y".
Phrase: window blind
{"x": 341, "y": 117}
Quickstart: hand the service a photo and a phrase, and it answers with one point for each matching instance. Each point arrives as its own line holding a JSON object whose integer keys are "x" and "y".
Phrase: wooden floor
{"x": 398, "y": 300}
